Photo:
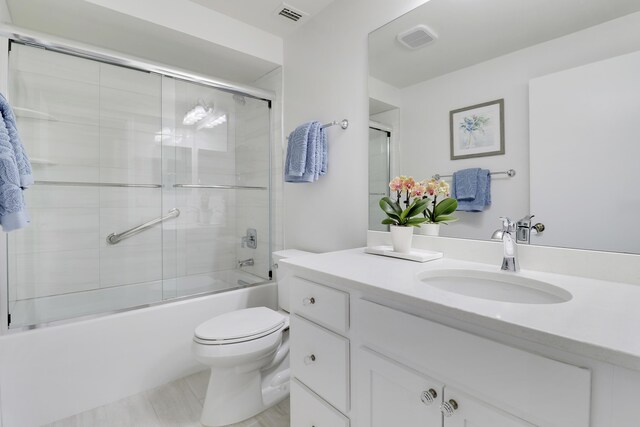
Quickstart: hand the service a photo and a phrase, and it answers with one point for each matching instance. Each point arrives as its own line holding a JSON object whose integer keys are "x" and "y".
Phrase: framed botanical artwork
{"x": 477, "y": 131}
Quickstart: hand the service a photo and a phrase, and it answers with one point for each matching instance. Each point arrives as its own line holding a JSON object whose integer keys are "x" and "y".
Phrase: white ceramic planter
{"x": 401, "y": 238}
{"x": 430, "y": 229}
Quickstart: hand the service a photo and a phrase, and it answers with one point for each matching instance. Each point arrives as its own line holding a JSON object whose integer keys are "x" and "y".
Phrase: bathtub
{"x": 54, "y": 372}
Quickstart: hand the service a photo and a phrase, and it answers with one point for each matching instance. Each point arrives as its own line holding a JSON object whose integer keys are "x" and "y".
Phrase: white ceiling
{"x": 95, "y": 25}
{"x": 472, "y": 31}
{"x": 260, "y": 13}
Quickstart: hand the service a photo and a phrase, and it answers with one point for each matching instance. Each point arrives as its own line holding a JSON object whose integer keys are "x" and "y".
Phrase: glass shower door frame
{"x": 67, "y": 47}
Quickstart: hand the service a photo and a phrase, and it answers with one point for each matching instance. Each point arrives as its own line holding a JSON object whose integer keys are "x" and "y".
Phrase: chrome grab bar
{"x": 114, "y": 238}
{"x": 221, "y": 187}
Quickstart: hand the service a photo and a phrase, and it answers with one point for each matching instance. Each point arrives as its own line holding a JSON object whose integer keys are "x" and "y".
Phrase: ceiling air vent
{"x": 290, "y": 13}
{"x": 416, "y": 37}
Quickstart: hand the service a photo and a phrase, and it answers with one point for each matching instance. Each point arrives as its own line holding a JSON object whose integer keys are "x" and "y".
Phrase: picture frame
{"x": 477, "y": 131}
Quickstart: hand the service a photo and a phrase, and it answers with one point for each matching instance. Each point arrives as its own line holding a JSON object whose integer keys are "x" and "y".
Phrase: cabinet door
{"x": 467, "y": 411}
{"x": 391, "y": 394}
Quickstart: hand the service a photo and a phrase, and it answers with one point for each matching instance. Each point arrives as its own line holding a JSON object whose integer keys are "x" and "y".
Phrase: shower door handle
{"x": 114, "y": 238}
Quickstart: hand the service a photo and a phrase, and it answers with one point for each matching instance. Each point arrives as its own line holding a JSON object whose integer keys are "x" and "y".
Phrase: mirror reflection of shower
{"x": 379, "y": 172}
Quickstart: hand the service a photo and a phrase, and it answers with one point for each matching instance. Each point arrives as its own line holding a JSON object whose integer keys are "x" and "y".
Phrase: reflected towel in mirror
{"x": 472, "y": 189}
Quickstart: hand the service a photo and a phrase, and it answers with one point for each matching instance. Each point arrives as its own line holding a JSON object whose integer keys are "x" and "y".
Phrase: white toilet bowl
{"x": 248, "y": 353}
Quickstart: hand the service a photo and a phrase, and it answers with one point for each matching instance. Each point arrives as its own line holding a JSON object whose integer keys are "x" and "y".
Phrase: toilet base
{"x": 234, "y": 396}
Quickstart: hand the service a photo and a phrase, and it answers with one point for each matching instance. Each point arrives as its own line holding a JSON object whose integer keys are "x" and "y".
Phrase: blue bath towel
{"x": 22, "y": 161}
{"x": 473, "y": 195}
{"x": 306, "y": 158}
{"x": 13, "y": 214}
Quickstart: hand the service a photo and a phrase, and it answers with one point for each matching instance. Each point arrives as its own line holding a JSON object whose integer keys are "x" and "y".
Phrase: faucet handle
{"x": 525, "y": 221}
{"x": 507, "y": 224}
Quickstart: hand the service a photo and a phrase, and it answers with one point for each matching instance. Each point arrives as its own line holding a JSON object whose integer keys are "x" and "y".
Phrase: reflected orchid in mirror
{"x": 440, "y": 212}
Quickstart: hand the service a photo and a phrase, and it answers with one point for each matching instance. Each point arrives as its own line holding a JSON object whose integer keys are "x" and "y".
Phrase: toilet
{"x": 248, "y": 352}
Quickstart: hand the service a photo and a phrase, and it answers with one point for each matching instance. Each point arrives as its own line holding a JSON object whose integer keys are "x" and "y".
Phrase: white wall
{"x": 325, "y": 78}
{"x": 426, "y": 106}
{"x": 52, "y": 373}
{"x": 5, "y": 15}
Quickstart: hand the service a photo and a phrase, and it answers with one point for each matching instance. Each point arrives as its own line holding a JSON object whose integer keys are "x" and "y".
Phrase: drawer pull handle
{"x": 310, "y": 359}
{"x": 309, "y": 301}
{"x": 448, "y": 408}
{"x": 428, "y": 396}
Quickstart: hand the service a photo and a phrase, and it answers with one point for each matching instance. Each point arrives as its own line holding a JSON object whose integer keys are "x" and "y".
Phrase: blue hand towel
{"x": 325, "y": 150}
{"x": 297, "y": 151}
{"x": 306, "y": 153}
{"x": 22, "y": 161}
{"x": 482, "y": 193}
{"x": 465, "y": 183}
{"x": 13, "y": 214}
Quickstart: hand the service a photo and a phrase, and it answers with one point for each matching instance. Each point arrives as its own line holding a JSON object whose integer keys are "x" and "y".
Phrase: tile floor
{"x": 177, "y": 404}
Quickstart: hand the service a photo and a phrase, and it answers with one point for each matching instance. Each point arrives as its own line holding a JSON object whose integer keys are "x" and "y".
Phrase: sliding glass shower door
{"x": 136, "y": 201}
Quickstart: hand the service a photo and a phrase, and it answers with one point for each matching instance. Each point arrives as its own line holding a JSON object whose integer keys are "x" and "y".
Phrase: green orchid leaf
{"x": 446, "y": 218}
{"x": 389, "y": 221}
{"x": 445, "y": 207}
{"x": 415, "y": 222}
{"x": 416, "y": 208}
{"x": 390, "y": 207}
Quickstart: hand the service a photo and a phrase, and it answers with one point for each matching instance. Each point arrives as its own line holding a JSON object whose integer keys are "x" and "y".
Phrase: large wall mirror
{"x": 568, "y": 75}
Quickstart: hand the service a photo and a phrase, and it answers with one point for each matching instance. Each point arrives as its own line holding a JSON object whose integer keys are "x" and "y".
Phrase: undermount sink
{"x": 496, "y": 286}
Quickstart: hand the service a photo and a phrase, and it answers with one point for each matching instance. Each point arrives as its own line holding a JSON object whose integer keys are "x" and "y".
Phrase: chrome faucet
{"x": 524, "y": 228}
{"x": 246, "y": 263}
{"x": 509, "y": 261}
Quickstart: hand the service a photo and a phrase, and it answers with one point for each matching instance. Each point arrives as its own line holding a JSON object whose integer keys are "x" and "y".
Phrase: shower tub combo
{"x": 153, "y": 186}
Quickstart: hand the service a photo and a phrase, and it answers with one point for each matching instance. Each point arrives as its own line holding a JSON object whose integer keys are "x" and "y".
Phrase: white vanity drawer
{"x": 319, "y": 303}
{"x": 309, "y": 410}
{"x": 320, "y": 360}
{"x": 535, "y": 388}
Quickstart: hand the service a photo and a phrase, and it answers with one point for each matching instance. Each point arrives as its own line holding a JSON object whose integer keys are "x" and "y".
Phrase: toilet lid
{"x": 242, "y": 324}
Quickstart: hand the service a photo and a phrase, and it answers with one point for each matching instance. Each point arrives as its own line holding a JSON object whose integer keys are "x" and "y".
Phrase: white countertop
{"x": 601, "y": 321}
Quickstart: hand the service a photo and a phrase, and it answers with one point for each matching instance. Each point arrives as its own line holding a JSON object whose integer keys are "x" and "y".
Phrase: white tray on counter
{"x": 418, "y": 255}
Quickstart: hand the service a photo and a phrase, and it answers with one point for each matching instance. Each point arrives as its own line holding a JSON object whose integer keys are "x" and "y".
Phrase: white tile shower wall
{"x": 252, "y": 169}
{"x": 100, "y": 127}
{"x": 201, "y": 240}
{"x": 124, "y": 161}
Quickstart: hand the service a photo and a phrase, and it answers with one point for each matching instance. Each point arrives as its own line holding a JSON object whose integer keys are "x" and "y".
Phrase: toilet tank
{"x": 283, "y": 275}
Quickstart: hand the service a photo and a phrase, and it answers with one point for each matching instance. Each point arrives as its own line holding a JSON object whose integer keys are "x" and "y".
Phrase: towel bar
{"x": 510, "y": 173}
{"x": 344, "y": 123}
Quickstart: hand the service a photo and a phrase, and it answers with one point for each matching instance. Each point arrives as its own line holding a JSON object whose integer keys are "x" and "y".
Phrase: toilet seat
{"x": 239, "y": 326}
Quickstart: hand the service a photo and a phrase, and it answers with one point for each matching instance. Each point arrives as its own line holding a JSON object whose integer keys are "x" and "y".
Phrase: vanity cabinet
{"x": 490, "y": 384}
{"x": 390, "y": 393}
{"x": 398, "y": 368}
{"x": 319, "y": 355}
{"x": 468, "y": 411}
{"x": 394, "y": 394}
